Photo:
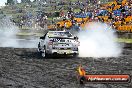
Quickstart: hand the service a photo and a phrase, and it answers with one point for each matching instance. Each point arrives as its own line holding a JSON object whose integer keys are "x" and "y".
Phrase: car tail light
{"x": 50, "y": 42}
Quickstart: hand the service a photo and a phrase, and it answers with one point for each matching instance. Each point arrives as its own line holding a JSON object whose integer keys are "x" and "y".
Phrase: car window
{"x": 59, "y": 34}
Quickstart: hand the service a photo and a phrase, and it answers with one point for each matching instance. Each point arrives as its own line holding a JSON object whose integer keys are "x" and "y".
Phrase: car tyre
{"x": 43, "y": 53}
{"x": 39, "y": 50}
{"x": 75, "y": 55}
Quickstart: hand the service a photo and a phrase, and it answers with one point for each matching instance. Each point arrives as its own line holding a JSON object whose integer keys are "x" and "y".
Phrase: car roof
{"x": 55, "y": 33}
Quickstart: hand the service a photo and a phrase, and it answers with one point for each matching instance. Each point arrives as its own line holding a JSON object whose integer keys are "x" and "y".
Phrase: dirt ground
{"x": 24, "y": 68}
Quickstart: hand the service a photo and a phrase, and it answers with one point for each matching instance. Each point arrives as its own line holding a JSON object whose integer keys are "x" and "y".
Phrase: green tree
{"x": 10, "y": 2}
{"x": 34, "y": 0}
{"x": 25, "y": 1}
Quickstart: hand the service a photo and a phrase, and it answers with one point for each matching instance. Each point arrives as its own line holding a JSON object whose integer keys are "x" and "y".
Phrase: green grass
{"x": 50, "y": 18}
{"x": 25, "y": 28}
{"x": 77, "y": 10}
{"x": 124, "y": 40}
{"x": 29, "y": 34}
{"x": 24, "y": 34}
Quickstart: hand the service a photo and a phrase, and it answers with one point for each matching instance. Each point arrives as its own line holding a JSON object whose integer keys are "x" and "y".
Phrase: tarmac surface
{"x": 24, "y": 68}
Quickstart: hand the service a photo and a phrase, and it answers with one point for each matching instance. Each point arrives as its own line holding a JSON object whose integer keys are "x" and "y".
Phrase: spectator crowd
{"x": 74, "y": 15}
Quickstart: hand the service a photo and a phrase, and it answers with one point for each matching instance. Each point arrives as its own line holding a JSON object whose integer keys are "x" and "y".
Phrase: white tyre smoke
{"x": 98, "y": 40}
{"x": 8, "y": 38}
{"x": 7, "y": 33}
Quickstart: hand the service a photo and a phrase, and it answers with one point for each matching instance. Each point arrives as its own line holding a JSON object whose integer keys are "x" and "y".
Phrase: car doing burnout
{"x": 58, "y": 42}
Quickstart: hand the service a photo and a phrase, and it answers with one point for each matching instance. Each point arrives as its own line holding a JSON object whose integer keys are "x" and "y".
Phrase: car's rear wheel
{"x": 75, "y": 55}
{"x": 39, "y": 49}
{"x": 43, "y": 53}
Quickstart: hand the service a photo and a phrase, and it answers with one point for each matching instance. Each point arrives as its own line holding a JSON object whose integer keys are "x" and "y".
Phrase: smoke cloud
{"x": 8, "y": 38}
{"x": 7, "y": 33}
{"x": 98, "y": 40}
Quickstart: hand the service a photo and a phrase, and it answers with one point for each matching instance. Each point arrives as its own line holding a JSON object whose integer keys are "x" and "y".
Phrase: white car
{"x": 58, "y": 42}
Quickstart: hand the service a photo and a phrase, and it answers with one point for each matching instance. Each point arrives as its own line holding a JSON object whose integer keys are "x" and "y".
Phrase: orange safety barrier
{"x": 61, "y": 23}
{"x": 68, "y": 24}
{"x": 81, "y": 19}
{"x": 126, "y": 28}
{"x": 128, "y": 19}
{"x": 117, "y": 23}
{"x": 78, "y": 19}
{"x": 116, "y": 7}
{"x": 105, "y": 18}
{"x": 124, "y": 2}
{"x": 51, "y": 26}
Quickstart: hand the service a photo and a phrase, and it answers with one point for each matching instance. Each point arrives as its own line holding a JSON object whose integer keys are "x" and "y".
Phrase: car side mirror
{"x": 41, "y": 37}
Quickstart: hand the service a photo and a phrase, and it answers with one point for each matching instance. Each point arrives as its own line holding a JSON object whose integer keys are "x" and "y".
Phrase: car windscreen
{"x": 59, "y": 34}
